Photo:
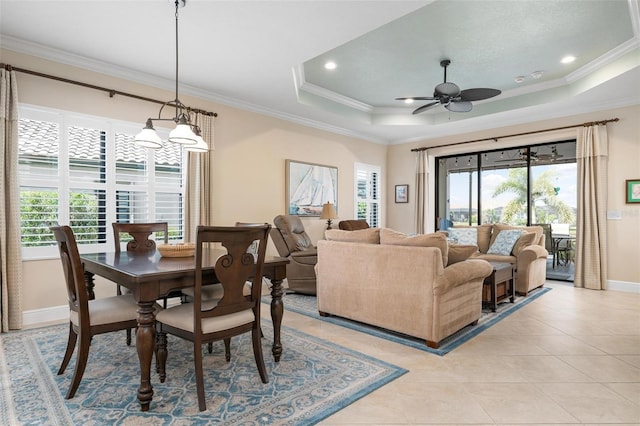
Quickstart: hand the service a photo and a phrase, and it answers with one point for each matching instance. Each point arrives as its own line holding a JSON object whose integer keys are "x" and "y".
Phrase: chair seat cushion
{"x": 111, "y": 309}
{"x": 182, "y": 317}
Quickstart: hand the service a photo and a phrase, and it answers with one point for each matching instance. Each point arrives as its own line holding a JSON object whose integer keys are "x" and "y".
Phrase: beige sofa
{"x": 528, "y": 255}
{"x": 385, "y": 279}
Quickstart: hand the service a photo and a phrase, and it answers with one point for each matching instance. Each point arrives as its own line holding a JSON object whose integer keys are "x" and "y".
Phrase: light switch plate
{"x": 614, "y": 215}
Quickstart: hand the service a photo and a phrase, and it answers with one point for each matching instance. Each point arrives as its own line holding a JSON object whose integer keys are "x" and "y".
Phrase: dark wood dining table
{"x": 150, "y": 276}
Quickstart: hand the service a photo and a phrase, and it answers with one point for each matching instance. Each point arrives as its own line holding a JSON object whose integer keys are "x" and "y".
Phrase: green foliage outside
{"x": 542, "y": 190}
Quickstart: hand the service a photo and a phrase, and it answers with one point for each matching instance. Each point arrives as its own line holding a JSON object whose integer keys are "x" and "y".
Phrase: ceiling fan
{"x": 534, "y": 155}
{"x": 450, "y": 96}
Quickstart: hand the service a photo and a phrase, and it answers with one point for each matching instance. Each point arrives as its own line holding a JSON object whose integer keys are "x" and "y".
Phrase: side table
{"x": 499, "y": 285}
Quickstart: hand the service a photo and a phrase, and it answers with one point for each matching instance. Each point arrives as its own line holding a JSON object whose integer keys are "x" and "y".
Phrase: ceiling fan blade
{"x": 425, "y": 107}
{"x": 448, "y": 89}
{"x": 478, "y": 94}
{"x": 417, "y": 98}
{"x": 462, "y": 106}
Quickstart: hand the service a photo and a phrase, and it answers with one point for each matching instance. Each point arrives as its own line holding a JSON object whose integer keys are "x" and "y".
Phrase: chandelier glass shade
{"x": 185, "y": 132}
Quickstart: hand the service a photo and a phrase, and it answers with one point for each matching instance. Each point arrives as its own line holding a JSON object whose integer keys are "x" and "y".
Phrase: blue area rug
{"x": 313, "y": 380}
{"x": 306, "y": 305}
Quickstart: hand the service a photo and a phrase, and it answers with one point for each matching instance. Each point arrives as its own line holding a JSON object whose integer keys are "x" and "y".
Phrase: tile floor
{"x": 570, "y": 357}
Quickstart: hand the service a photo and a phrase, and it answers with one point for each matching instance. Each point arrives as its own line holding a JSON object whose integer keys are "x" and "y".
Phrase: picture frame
{"x": 309, "y": 186}
{"x": 632, "y": 191}
{"x": 402, "y": 193}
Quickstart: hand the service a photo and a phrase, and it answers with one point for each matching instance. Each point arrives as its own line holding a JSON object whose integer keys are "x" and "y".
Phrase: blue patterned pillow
{"x": 465, "y": 236}
{"x": 505, "y": 240}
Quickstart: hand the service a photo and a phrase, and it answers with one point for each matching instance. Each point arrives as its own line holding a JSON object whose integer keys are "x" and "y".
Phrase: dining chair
{"x": 87, "y": 317}
{"x": 202, "y": 321}
{"x": 139, "y": 242}
{"x": 215, "y": 291}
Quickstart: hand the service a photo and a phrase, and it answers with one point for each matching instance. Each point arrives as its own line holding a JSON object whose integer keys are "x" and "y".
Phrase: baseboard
{"x": 37, "y": 317}
{"x": 627, "y": 286}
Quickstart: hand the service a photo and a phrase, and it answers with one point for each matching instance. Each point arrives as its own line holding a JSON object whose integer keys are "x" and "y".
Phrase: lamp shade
{"x": 148, "y": 138}
{"x": 199, "y": 146}
{"x": 183, "y": 134}
{"x": 328, "y": 211}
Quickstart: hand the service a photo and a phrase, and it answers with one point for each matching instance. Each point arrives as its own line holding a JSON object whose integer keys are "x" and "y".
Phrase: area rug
{"x": 306, "y": 305}
{"x": 313, "y": 380}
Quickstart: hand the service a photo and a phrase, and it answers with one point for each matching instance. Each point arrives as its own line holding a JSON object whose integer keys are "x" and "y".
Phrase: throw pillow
{"x": 460, "y": 253}
{"x": 367, "y": 236}
{"x": 504, "y": 242}
{"x": 501, "y": 227}
{"x": 466, "y": 236}
{"x": 396, "y": 238}
{"x": 524, "y": 241}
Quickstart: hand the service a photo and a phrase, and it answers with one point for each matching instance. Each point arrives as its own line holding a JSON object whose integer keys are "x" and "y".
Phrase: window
{"x": 367, "y": 194}
{"x": 87, "y": 173}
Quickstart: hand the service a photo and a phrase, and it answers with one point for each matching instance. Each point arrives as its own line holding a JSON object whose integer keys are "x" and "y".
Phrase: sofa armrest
{"x": 531, "y": 253}
{"x": 461, "y": 273}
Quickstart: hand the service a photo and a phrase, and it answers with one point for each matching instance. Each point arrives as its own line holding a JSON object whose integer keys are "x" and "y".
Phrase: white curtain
{"x": 198, "y": 191}
{"x": 10, "y": 257}
{"x": 591, "y": 234}
{"x": 421, "y": 191}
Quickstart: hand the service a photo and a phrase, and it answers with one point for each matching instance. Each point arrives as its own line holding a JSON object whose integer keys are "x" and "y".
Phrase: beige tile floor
{"x": 570, "y": 357}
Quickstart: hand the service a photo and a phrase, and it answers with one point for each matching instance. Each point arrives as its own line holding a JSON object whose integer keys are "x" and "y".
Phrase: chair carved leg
{"x": 257, "y": 353}
{"x": 128, "y": 337}
{"x": 71, "y": 345}
{"x": 197, "y": 355}
{"x": 210, "y": 347}
{"x": 227, "y": 349}
{"x": 81, "y": 364}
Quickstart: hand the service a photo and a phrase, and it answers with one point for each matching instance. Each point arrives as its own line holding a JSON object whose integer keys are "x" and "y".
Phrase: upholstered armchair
{"x": 352, "y": 225}
{"x": 293, "y": 242}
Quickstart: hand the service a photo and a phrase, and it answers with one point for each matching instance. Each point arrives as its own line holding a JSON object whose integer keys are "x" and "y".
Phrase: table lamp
{"x": 329, "y": 213}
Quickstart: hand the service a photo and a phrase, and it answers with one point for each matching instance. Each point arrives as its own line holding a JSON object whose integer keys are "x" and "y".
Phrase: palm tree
{"x": 542, "y": 190}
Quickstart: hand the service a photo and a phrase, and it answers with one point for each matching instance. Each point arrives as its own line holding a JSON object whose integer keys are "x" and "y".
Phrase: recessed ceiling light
{"x": 408, "y": 101}
{"x": 330, "y": 65}
{"x": 519, "y": 79}
{"x": 568, "y": 59}
{"x": 537, "y": 74}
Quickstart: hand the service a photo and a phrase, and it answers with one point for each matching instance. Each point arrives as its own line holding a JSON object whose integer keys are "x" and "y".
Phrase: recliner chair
{"x": 293, "y": 242}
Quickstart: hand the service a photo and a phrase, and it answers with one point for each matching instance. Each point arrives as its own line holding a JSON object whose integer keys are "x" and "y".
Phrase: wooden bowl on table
{"x": 176, "y": 250}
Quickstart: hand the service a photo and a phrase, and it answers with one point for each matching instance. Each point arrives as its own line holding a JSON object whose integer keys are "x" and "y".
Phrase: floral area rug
{"x": 306, "y": 305}
{"x": 313, "y": 380}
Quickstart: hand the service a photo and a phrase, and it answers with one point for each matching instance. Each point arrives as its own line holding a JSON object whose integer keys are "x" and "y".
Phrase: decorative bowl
{"x": 176, "y": 250}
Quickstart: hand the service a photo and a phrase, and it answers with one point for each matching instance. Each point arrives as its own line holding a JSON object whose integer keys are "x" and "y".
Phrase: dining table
{"x": 150, "y": 276}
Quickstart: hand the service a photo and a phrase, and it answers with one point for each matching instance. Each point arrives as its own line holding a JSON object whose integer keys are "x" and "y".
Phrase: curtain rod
{"x": 590, "y": 123}
{"x": 111, "y": 92}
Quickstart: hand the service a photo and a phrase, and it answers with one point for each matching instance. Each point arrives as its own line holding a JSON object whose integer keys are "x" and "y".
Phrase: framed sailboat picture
{"x": 309, "y": 186}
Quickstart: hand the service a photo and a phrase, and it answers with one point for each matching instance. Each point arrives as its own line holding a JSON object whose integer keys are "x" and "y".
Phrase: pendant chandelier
{"x": 185, "y": 132}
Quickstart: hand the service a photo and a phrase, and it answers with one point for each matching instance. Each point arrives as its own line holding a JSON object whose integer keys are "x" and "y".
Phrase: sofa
{"x": 527, "y": 254}
{"x": 402, "y": 283}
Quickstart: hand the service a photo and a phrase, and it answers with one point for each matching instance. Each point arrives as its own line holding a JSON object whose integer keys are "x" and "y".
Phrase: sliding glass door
{"x": 517, "y": 186}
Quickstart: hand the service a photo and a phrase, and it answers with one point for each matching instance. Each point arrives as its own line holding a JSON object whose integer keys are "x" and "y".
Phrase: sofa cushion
{"x": 460, "y": 253}
{"x": 396, "y": 238}
{"x": 501, "y": 226}
{"x": 525, "y": 240}
{"x": 494, "y": 257}
{"x": 504, "y": 241}
{"x": 466, "y": 236}
{"x": 367, "y": 236}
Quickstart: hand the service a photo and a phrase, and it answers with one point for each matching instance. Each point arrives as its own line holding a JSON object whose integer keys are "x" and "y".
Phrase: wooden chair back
{"x": 139, "y": 233}
{"x": 77, "y": 294}
{"x": 233, "y": 269}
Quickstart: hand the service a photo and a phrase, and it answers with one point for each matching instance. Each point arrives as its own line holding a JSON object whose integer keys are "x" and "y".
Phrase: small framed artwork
{"x": 633, "y": 191}
{"x": 402, "y": 193}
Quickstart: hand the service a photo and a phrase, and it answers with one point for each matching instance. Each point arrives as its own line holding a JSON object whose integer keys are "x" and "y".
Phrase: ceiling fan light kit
{"x": 451, "y": 97}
